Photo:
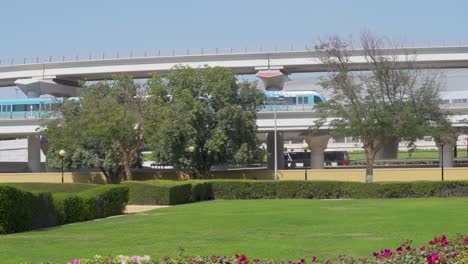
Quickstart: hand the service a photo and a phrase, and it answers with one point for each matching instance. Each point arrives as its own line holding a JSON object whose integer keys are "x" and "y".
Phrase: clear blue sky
{"x": 60, "y": 27}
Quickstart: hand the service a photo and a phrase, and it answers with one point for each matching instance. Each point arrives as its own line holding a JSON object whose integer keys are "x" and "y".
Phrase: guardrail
{"x": 112, "y": 55}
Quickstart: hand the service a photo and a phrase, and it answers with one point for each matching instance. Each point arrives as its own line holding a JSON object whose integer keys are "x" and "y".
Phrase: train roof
{"x": 291, "y": 93}
{"x": 30, "y": 100}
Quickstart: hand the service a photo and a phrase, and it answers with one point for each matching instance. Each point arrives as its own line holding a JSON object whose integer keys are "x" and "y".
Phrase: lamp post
{"x": 306, "y": 147}
{"x": 62, "y": 155}
{"x": 190, "y": 150}
{"x": 442, "y": 161}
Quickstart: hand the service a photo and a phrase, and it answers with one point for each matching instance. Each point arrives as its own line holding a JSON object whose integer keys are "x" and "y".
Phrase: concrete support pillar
{"x": 34, "y": 153}
{"x": 389, "y": 151}
{"x": 447, "y": 151}
{"x": 273, "y": 80}
{"x": 271, "y": 150}
{"x": 317, "y": 145}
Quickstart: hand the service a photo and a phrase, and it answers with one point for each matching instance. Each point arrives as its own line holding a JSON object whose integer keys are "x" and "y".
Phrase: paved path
{"x": 129, "y": 209}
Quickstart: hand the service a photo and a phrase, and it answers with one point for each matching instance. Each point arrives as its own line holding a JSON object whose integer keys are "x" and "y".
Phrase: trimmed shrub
{"x": 201, "y": 191}
{"x": 70, "y": 208}
{"x": 21, "y": 210}
{"x": 108, "y": 200}
{"x": 243, "y": 189}
{"x": 15, "y": 209}
{"x": 95, "y": 203}
{"x": 159, "y": 192}
{"x": 51, "y": 187}
{"x": 177, "y": 192}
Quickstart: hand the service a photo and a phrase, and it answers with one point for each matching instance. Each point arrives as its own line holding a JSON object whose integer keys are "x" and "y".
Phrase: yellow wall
{"x": 357, "y": 175}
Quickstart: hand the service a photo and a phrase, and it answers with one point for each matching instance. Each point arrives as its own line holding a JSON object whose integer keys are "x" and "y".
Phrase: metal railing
{"x": 112, "y": 55}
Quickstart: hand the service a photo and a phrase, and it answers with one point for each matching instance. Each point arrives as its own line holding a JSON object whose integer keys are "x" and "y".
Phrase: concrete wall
{"x": 356, "y": 175}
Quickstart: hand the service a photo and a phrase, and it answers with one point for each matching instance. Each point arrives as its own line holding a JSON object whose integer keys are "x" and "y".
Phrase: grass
{"x": 52, "y": 187}
{"x": 259, "y": 228}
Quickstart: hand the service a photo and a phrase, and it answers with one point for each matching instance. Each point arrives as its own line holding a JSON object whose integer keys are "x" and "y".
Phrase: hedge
{"x": 177, "y": 192}
{"x": 51, "y": 187}
{"x": 21, "y": 210}
{"x": 159, "y": 192}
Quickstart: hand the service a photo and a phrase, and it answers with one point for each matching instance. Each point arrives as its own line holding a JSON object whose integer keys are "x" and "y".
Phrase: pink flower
{"x": 314, "y": 259}
{"x": 75, "y": 261}
{"x": 135, "y": 258}
{"x": 433, "y": 258}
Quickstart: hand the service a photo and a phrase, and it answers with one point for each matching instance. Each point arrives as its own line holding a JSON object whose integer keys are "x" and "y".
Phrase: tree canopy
{"x": 103, "y": 129}
{"x": 204, "y": 117}
{"x": 393, "y": 101}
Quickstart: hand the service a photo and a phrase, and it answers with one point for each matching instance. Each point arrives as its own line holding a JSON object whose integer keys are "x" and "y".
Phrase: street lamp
{"x": 279, "y": 100}
{"x": 442, "y": 161}
{"x": 190, "y": 150}
{"x": 306, "y": 147}
{"x": 62, "y": 155}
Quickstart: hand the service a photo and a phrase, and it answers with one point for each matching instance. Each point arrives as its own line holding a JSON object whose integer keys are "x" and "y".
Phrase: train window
{"x": 306, "y": 100}
{"x": 459, "y": 100}
{"x": 8, "y": 108}
{"x": 3, "y": 108}
{"x": 317, "y": 99}
{"x": 19, "y": 108}
{"x": 290, "y": 100}
{"x": 33, "y": 107}
{"x": 300, "y": 100}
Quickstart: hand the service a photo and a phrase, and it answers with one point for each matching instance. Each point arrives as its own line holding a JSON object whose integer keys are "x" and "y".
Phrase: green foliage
{"x": 21, "y": 210}
{"x": 386, "y": 103}
{"x": 70, "y": 208}
{"x": 52, "y": 187}
{"x": 94, "y": 203}
{"x": 103, "y": 130}
{"x": 159, "y": 192}
{"x": 15, "y": 209}
{"x": 176, "y": 192}
{"x": 205, "y": 109}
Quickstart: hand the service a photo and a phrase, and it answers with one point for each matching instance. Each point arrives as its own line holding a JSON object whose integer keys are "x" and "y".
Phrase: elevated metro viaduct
{"x": 290, "y": 124}
{"x": 61, "y": 79}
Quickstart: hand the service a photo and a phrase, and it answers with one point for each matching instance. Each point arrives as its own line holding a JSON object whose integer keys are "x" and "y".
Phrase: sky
{"x": 59, "y": 27}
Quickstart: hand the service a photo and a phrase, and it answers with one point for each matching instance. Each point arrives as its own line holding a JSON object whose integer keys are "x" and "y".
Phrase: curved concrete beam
{"x": 35, "y": 88}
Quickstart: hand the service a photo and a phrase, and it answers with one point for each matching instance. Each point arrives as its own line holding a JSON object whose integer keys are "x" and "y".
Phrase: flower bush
{"x": 437, "y": 251}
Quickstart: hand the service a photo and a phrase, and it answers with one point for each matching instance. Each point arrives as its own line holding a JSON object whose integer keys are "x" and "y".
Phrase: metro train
{"x": 41, "y": 107}
{"x": 292, "y": 100}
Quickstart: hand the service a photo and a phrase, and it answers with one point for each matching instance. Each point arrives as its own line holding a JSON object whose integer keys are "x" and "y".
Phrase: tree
{"x": 104, "y": 129}
{"x": 393, "y": 101}
{"x": 204, "y": 117}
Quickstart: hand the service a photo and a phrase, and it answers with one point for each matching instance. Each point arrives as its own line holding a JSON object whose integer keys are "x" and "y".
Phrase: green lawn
{"x": 260, "y": 228}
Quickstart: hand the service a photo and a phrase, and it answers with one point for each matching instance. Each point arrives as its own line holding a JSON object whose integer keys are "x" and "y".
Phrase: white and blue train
{"x": 41, "y": 107}
{"x": 292, "y": 100}
{"x": 28, "y": 107}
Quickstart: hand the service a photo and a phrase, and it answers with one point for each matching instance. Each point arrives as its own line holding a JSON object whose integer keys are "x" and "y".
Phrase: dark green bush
{"x": 21, "y": 210}
{"x": 70, "y": 208}
{"x": 108, "y": 200}
{"x": 15, "y": 209}
{"x": 94, "y": 203}
{"x": 201, "y": 191}
{"x": 177, "y": 192}
{"x": 159, "y": 192}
